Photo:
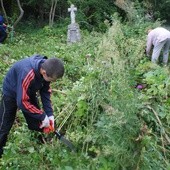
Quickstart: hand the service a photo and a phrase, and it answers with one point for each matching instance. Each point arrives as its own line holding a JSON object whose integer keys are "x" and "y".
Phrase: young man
{"x": 160, "y": 39}
{"x": 23, "y": 81}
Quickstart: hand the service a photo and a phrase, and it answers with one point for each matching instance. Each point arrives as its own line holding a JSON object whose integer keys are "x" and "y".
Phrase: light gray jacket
{"x": 156, "y": 36}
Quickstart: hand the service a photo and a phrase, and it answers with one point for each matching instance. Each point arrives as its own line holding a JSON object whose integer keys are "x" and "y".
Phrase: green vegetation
{"x": 113, "y": 125}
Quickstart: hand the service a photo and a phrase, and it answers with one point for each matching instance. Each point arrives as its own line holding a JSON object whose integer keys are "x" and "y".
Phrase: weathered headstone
{"x": 73, "y": 33}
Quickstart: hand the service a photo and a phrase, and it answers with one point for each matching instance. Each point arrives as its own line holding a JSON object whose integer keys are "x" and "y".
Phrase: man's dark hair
{"x": 54, "y": 67}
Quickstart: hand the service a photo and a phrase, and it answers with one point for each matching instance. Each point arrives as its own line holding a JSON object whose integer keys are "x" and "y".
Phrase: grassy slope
{"x": 99, "y": 91}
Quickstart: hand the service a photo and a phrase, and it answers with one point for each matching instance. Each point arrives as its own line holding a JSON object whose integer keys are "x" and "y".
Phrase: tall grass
{"x": 98, "y": 92}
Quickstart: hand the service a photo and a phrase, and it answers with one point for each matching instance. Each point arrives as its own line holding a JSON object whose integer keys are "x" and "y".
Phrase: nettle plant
{"x": 158, "y": 83}
{"x": 155, "y": 79}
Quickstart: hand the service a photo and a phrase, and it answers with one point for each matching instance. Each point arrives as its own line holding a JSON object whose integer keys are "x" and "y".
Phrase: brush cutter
{"x": 65, "y": 141}
{"x": 59, "y": 135}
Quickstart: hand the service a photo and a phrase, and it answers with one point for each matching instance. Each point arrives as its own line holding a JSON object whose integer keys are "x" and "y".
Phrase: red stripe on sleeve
{"x": 25, "y": 98}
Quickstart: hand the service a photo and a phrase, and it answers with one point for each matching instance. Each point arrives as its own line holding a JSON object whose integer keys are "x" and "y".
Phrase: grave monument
{"x": 73, "y": 33}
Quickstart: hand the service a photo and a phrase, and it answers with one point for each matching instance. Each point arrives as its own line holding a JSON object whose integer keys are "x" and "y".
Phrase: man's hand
{"x": 147, "y": 53}
{"x": 45, "y": 122}
{"x": 50, "y": 128}
{"x": 144, "y": 52}
{"x": 51, "y": 119}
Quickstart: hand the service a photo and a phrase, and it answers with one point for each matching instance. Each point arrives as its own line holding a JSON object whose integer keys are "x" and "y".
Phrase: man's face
{"x": 49, "y": 79}
{"x": 46, "y": 76}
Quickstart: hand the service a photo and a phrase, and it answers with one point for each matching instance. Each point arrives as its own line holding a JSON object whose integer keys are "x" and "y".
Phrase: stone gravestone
{"x": 73, "y": 33}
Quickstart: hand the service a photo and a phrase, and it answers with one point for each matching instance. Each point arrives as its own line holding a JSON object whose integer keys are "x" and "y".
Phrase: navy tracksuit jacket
{"x": 23, "y": 81}
{"x": 20, "y": 87}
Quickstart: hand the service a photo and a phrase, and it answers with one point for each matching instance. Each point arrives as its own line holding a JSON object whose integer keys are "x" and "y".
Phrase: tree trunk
{"x": 21, "y": 13}
{"x": 52, "y": 12}
{"x": 4, "y": 12}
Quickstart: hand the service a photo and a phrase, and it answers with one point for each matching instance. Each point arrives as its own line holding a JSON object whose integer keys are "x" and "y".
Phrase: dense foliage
{"x": 112, "y": 123}
{"x": 91, "y": 13}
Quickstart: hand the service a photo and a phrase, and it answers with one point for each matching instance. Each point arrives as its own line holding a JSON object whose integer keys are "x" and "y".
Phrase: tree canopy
{"x": 91, "y": 13}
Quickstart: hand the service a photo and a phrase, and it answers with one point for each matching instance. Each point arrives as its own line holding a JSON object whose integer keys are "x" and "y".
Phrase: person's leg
{"x": 3, "y": 36}
{"x": 33, "y": 124}
{"x": 156, "y": 51}
{"x": 166, "y": 51}
{"x": 8, "y": 110}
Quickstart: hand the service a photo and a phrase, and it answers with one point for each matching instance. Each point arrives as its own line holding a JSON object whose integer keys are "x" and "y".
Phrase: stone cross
{"x": 73, "y": 33}
{"x": 72, "y": 10}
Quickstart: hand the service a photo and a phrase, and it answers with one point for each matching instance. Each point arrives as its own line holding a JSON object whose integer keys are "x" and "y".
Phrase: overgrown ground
{"x": 113, "y": 124}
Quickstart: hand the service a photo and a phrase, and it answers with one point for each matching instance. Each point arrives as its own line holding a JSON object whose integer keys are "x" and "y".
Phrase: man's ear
{"x": 42, "y": 71}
